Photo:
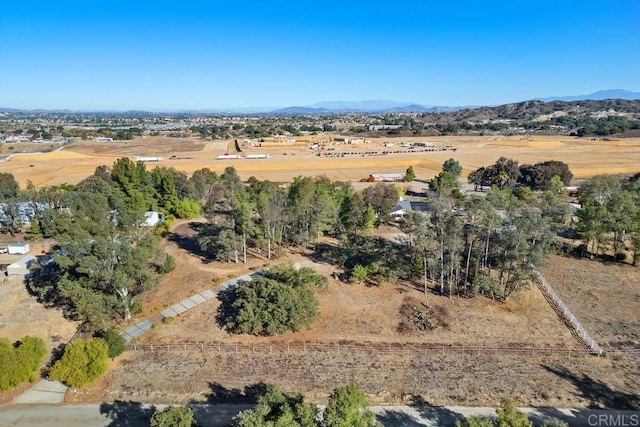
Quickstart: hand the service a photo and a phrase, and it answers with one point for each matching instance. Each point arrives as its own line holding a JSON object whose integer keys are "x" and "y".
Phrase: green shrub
{"x": 165, "y": 226}
{"x": 360, "y": 273}
{"x": 173, "y": 416}
{"x": 510, "y": 416}
{"x": 280, "y": 301}
{"x": 348, "y": 407}
{"x": 82, "y": 362}
{"x": 474, "y": 422}
{"x": 168, "y": 319}
{"x": 620, "y": 256}
{"x": 20, "y": 362}
{"x": 168, "y": 265}
{"x": 187, "y": 209}
{"x": 115, "y": 342}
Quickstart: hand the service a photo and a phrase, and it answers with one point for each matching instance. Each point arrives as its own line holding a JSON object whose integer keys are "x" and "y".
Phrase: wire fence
{"x": 567, "y": 316}
{"x": 393, "y": 349}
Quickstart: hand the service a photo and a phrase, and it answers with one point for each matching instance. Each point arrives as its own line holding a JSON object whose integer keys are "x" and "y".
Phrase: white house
{"x": 21, "y": 266}
{"x": 401, "y": 209}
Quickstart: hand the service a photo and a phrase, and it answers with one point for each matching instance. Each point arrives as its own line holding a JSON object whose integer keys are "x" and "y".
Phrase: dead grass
{"x": 360, "y": 313}
{"x": 584, "y": 157}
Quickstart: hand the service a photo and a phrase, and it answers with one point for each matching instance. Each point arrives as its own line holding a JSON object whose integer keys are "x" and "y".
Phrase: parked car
{"x": 3, "y": 250}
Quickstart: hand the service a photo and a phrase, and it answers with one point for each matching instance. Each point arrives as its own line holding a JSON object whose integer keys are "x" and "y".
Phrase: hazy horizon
{"x": 199, "y": 55}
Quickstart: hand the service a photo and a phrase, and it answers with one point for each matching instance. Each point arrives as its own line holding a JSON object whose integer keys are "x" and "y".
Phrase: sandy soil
{"x": 585, "y": 158}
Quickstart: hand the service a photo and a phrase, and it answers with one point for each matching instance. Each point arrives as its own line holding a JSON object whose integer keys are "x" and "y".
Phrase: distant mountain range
{"x": 596, "y": 96}
{"x": 371, "y": 106}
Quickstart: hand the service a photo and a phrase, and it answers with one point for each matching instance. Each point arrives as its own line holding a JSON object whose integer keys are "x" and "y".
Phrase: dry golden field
{"x": 586, "y": 158}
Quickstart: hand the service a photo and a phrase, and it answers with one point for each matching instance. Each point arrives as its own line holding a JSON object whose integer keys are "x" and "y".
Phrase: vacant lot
{"x": 604, "y": 296}
{"x": 585, "y": 158}
{"x": 366, "y": 314}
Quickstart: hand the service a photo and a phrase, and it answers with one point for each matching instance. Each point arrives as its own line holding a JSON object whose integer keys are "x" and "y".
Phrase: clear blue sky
{"x": 139, "y": 54}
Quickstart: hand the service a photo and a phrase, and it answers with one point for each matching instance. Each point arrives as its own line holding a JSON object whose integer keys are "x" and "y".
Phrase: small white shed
{"x": 18, "y": 248}
{"x": 151, "y": 219}
{"x": 21, "y": 266}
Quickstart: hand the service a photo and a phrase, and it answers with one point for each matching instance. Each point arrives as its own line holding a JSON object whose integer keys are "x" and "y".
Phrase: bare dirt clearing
{"x": 585, "y": 158}
{"x": 604, "y": 296}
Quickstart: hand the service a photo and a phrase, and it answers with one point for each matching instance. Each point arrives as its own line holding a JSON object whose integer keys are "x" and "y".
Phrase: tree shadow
{"x": 127, "y": 414}
{"x": 437, "y": 415}
{"x": 187, "y": 242}
{"x": 249, "y": 395}
{"x": 226, "y": 309}
{"x": 597, "y": 393}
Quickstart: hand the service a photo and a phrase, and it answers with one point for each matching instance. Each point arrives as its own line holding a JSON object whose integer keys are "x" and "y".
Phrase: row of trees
{"x": 506, "y": 172}
{"x": 103, "y": 258}
{"x": 609, "y": 214}
{"x": 268, "y": 217}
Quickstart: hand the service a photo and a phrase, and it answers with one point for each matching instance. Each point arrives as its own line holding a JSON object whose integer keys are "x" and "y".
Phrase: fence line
{"x": 397, "y": 349}
{"x": 566, "y": 315}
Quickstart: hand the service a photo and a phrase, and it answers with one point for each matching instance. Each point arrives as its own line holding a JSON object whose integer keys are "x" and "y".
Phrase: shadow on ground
{"x": 127, "y": 414}
{"x": 437, "y": 415}
{"x": 597, "y": 393}
{"x": 189, "y": 243}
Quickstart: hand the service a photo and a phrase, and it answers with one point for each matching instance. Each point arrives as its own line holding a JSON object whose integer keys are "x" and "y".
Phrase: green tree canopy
{"x": 82, "y": 362}
{"x": 348, "y": 407}
{"x": 280, "y": 301}
{"x": 173, "y": 416}
{"x": 277, "y": 408}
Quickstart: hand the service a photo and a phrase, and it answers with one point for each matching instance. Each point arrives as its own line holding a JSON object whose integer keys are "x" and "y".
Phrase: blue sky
{"x": 169, "y": 55}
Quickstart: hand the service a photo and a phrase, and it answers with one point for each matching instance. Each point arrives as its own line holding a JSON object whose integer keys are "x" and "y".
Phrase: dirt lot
{"x": 360, "y": 313}
{"x": 585, "y": 158}
{"x": 604, "y": 296}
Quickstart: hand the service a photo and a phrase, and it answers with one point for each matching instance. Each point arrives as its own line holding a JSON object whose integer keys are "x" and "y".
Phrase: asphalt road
{"x": 133, "y": 414}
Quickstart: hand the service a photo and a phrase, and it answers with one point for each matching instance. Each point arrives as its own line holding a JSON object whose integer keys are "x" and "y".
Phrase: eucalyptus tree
{"x": 271, "y": 204}
{"x": 593, "y": 215}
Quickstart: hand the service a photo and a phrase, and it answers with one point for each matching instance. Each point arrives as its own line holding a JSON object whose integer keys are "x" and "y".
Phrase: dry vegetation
{"x": 584, "y": 157}
{"x": 605, "y": 297}
{"x": 357, "y": 313}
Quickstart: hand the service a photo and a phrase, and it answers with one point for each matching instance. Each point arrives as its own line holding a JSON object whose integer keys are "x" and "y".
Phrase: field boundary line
{"x": 567, "y": 317}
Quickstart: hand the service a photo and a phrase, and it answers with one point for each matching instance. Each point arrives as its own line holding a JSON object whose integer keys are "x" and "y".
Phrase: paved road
{"x": 132, "y": 414}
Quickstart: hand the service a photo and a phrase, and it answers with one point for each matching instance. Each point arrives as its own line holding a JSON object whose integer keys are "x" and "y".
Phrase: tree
{"x": 20, "y": 362}
{"x": 82, "y": 362}
{"x": 510, "y": 416}
{"x": 9, "y": 188}
{"x": 474, "y": 422}
{"x": 453, "y": 167}
{"x": 280, "y": 301}
{"x": 101, "y": 260}
{"x": 11, "y": 219}
{"x": 277, "y": 408}
{"x": 348, "y": 407}
{"x": 271, "y": 206}
{"x": 442, "y": 184}
{"x": 410, "y": 175}
{"x": 538, "y": 176}
{"x": 115, "y": 342}
{"x": 173, "y": 416}
{"x": 382, "y": 198}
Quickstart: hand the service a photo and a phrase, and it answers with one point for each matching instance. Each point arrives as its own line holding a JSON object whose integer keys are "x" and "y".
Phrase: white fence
{"x": 566, "y": 315}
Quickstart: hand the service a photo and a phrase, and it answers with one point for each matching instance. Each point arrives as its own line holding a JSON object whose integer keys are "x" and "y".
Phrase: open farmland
{"x": 585, "y": 158}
